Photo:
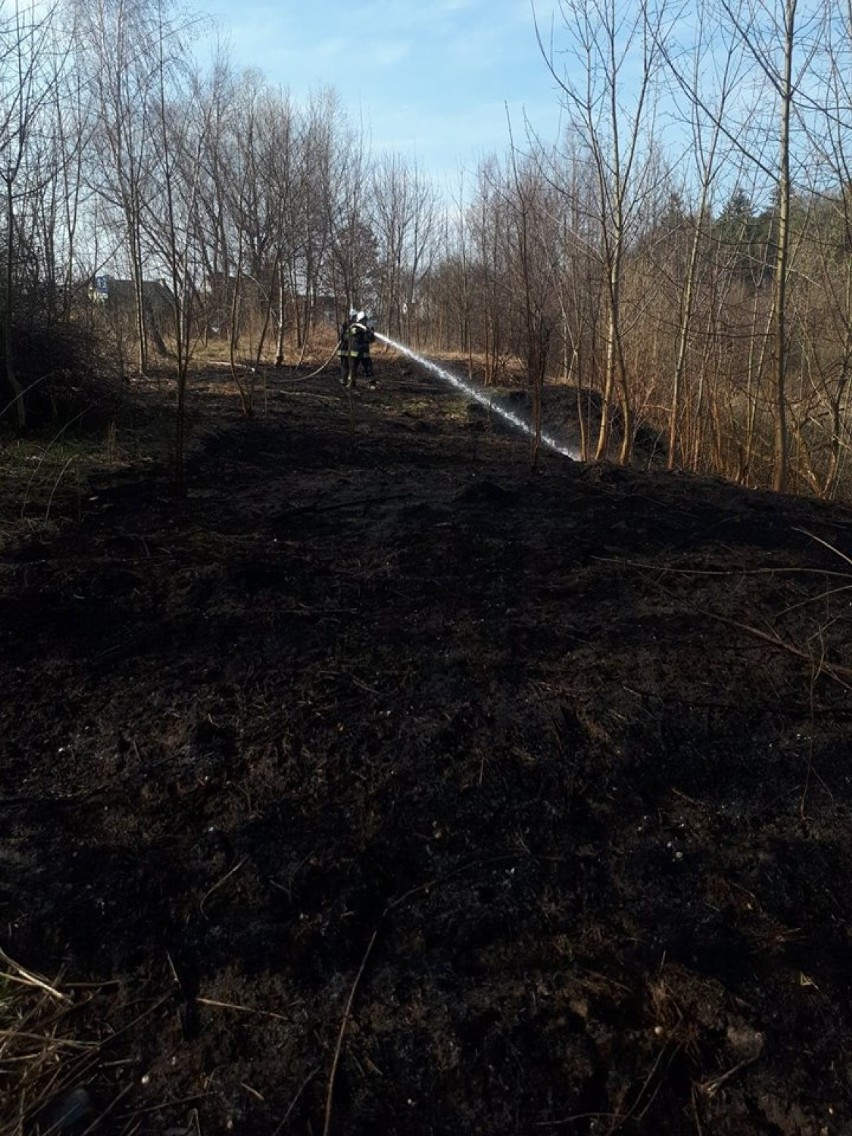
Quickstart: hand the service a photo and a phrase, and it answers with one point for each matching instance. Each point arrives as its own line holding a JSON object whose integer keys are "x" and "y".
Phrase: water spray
{"x": 479, "y": 396}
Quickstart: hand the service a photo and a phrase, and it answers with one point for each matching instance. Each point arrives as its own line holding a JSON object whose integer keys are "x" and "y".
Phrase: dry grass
{"x": 40, "y": 480}
{"x": 44, "y": 477}
{"x": 41, "y": 1063}
{"x": 60, "y": 1066}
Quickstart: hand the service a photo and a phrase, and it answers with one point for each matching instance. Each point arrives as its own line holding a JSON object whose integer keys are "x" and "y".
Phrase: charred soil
{"x": 385, "y": 785}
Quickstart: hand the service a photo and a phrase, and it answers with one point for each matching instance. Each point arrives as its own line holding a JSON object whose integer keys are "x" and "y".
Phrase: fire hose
{"x": 313, "y": 374}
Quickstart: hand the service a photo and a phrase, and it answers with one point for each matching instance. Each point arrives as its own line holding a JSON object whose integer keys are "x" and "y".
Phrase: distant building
{"x": 117, "y": 300}
{"x": 122, "y": 293}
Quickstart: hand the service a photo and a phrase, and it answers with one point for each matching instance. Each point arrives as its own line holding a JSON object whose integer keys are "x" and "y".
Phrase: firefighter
{"x": 364, "y": 336}
{"x": 347, "y": 349}
{"x": 356, "y": 335}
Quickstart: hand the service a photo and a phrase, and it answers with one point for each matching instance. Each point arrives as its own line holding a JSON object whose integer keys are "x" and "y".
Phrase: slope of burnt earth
{"x": 385, "y": 785}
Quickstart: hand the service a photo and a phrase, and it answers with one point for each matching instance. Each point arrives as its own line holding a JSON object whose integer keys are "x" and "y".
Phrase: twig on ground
{"x": 149, "y": 1108}
{"x": 693, "y": 1094}
{"x": 391, "y": 906}
{"x": 343, "y": 1024}
{"x": 834, "y": 670}
{"x": 60, "y": 1042}
{"x": 109, "y": 1108}
{"x": 351, "y": 503}
{"x": 219, "y": 883}
{"x": 670, "y": 569}
{"x": 40, "y": 799}
{"x": 311, "y": 1074}
{"x": 27, "y": 978}
{"x": 711, "y": 1086}
{"x": 826, "y": 544}
{"x": 242, "y": 1009}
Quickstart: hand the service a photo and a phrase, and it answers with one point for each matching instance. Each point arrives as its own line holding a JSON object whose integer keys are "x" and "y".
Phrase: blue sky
{"x": 430, "y": 79}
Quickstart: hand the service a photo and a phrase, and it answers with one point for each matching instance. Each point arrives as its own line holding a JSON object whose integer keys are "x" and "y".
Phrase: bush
{"x": 62, "y": 374}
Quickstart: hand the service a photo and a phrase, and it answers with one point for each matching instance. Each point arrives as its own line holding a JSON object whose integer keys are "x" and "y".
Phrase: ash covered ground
{"x": 385, "y": 785}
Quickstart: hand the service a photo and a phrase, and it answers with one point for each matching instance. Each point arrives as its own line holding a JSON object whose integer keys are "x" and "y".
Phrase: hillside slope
{"x": 386, "y": 786}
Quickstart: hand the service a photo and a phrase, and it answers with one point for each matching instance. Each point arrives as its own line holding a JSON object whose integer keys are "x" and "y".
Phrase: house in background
{"x": 116, "y": 298}
{"x": 121, "y": 293}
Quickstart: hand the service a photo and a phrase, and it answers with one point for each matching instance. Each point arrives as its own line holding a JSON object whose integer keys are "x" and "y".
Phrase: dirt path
{"x": 386, "y": 786}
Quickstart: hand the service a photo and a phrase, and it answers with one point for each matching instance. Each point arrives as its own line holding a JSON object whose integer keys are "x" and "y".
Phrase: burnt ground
{"x": 384, "y": 785}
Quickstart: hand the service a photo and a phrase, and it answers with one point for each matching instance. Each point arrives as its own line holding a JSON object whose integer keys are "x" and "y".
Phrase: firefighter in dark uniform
{"x": 356, "y": 335}
{"x": 348, "y": 351}
{"x": 365, "y": 336}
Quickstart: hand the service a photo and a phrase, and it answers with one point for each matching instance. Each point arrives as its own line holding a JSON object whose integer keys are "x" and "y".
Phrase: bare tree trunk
{"x": 15, "y": 388}
{"x": 137, "y": 275}
{"x": 609, "y": 373}
{"x": 779, "y": 479}
{"x": 279, "y": 343}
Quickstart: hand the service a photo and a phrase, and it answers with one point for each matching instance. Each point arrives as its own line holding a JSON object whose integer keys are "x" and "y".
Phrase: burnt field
{"x": 384, "y": 785}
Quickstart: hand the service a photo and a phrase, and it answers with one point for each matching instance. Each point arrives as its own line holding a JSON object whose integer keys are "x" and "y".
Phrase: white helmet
{"x": 359, "y": 316}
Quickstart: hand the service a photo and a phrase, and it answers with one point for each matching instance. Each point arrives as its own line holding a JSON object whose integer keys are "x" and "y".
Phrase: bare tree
{"x": 778, "y": 51}
{"x": 824, "y": 270}
{"x": 173, "y": 222}
{"x": 215, "y": 95}
{"x": 249, "y": 207}
{"x": 404, "y": 211}
{"x": 311, "y": 207}
{"x": 765, "y": 45}
{"x": 608, "y": 89}
{"x": 118, "y": 41}
{"x": 26, "y": 83}
{"x": 353, "y": 251}
{"x": 487, "y": 226}
{"x": 706, "y": 71}
{"x": 530, "y": 212}
{"x": 63, "y": 211}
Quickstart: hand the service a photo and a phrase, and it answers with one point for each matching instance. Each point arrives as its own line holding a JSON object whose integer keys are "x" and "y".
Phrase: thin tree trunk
{"x": 779, "y": 480}
{"x": 15, "y": 388}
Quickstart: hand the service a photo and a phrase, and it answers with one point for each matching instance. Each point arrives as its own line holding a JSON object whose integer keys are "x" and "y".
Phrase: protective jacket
{"x": 355, "y": 339}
